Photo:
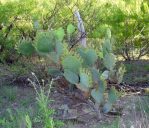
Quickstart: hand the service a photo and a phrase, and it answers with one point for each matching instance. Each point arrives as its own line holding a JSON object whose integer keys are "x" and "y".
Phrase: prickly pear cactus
{"x": 112, "y": 97}
{"x": 59, "y": 33}
{"x": 77, "y": 67}
{"x": 70, "y": 29}
{"x": 109, "y": 59}
{"x": 98, "y": 92}
{"x": 112, "y": 74}
{"x": 70, "y": 76}
{"x": 54, "y": 71}
{"x": 89, "y": 56}
{"x": 26, "y": 48}
{"x": 85, "y": 83}
{"x": 71, "y": 63}
{"x": 45, "y": 42}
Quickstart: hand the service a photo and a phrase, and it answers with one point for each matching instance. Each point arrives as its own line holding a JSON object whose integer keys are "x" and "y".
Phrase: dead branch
{"x": 81, "y": 28}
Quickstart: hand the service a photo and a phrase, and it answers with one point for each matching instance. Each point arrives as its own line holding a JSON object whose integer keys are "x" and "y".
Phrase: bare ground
{"x": 75, "y": 112}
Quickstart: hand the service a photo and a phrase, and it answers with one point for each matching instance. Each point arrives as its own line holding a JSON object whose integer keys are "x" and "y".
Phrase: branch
{"x": 76, "y": 41}
{"x": 81, "y": 28}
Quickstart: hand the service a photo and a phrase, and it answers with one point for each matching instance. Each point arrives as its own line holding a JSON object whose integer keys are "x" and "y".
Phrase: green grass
{"x": 8, "y": 93}
{"x": 129, "y": 67}
{"x": 11, "y": 109}
{"x": 113, "y": 124}
{"x": 21, "y": 108}
{"x": 136, "y": 71}
{"x": 146, "y": 67}
{"x": 143, "y": 105}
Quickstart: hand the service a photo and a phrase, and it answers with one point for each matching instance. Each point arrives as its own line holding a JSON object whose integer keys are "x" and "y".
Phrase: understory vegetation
{"x": 74, "y": 63}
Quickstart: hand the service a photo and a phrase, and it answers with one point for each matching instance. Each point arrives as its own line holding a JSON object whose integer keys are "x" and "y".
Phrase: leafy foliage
{"x": 70, "y": 29}
{"x": 128, "y": 20}
{"x": 60, "y": 34}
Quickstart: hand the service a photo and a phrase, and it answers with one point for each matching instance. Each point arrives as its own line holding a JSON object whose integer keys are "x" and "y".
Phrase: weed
{"x": 28, "y": 121}
{"x": 45, "y": 113}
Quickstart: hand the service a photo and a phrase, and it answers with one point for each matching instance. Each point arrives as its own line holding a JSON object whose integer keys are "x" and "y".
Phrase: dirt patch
{"x": 76, "y": 112}
{"x": 134, "y": 112}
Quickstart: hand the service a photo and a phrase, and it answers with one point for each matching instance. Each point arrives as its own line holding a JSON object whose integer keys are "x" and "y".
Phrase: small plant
{"x": 45, "y": 113}
{"x": 28, "y": 121}
{"x": 112, "y": 74}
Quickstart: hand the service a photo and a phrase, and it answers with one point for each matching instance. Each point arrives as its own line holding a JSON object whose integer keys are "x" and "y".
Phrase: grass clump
{"x": 30, "y": 113}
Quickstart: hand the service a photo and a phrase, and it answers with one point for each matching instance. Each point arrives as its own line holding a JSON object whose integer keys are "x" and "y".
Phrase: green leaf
{"x": 89, "y": 56}
{"x": 95, "y": 74}
{"x": 81, "y": 52}
{"x": 60, "y": 33}
{"x": 28, "y": 121}
{"x": 72, "y": 63}
{"x": 108, "y": 33}
{"x": 71, "y": 76}
{"x": 105, "y": 75}
{"x": 97, "y": 95}
{"x": 100, "y": 54}
{"x": 45, "y": 42}
{"x": 59, "y": 48}
{"x": 109, "y": 61}
{"x": 54, "y": 56}
{"x": 107, "y": 107}
{"x": 84, "y": 82}
{"x": 120, "y": 73}
{"x": 107, "y": 47}
{"x": 101, "y": 85}
{"x": 112, "y": 96}
{"x": 54, "y": 71}
{"x": 26, "y": 48}
{"x": 70, "y": 29}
